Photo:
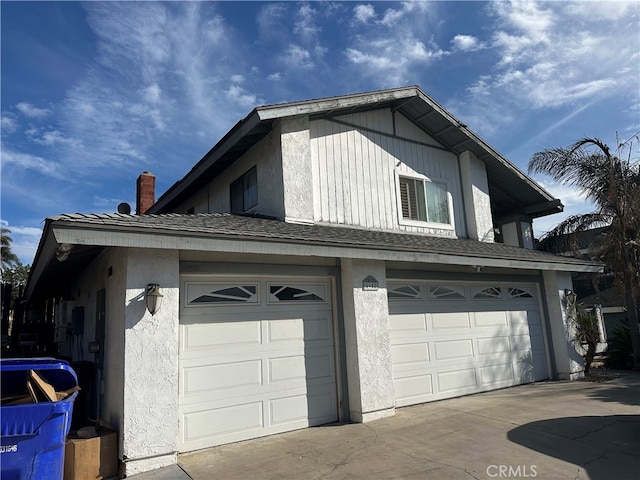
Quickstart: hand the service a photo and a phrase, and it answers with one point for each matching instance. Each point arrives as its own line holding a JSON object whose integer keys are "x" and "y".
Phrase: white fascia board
{"x": 44, "y": 255}
{"x": 310, "y": 107}
{"x": 270, "y": 246}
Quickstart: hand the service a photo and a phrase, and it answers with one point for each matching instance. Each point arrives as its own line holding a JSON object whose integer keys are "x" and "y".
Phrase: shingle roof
{"x": 232, "y": 227}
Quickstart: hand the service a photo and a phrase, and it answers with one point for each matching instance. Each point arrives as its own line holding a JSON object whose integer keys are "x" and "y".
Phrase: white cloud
{"x": 271, "y": 18}
{"x": 31, "y": 111}
{"x": 8, "y": 123}
{"x": 466, "y": 43}
{"x": 551, "y": 55}
{"x": 55, "y": 137}
{"x": 238, "y": 95}
{"x": 393, "y": 16}
{"x": 276, "y": 77}
{"x": 27, "y": 161}
{"x": 298, "y": 57}
{"x": 305, "y": 25}
{"x": 391, "y": 59}
{"x": 364, "y": 13}
{"x": 152, "y": 93}
{"x": 237, "y": 78}
{"x": 610, "y": 10}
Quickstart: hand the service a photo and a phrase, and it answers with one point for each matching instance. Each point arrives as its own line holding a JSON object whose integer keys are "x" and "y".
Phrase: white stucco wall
{"x": 477, "y": 203}
{"x": 368, "y": 346}
{"x": 518, "y": 233}
{"x": 569, "y": 362}
{"x": 297, "y": 169}
{"x": 150, "y": 417}
{"x": 510, "y": 234}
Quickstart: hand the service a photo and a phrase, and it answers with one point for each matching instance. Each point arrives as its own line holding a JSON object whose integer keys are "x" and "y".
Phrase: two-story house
{"x": 327, "y": 260}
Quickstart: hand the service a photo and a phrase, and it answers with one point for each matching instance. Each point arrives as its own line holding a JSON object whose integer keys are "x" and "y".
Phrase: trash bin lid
{"x": 57, "y": 372}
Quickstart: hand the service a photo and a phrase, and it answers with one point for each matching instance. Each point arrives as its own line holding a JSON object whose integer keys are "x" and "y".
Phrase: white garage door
{"x": 256, "y": 358}
{"x": 452, "y": 339}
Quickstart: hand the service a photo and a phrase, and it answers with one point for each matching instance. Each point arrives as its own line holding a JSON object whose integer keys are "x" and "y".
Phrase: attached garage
{"x": 257, "y": 357}
{"x": 453, "y": 338}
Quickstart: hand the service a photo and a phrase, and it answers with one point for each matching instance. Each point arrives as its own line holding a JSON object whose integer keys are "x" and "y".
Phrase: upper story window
{"x": 423, "y": 200}
{"x": 244, "y": 192}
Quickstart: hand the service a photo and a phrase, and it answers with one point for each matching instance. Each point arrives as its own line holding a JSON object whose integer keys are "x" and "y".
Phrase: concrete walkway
{"x": 547, "y": 430}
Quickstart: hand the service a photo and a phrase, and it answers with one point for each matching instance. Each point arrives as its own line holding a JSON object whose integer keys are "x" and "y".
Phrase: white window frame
{"x": 424, "y": 223}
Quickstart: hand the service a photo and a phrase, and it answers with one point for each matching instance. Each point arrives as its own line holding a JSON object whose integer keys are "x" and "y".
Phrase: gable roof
{"x": 512, "y": 191}
{"x": 240, "y": 234}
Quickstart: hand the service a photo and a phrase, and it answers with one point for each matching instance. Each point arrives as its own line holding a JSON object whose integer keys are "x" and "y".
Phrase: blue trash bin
{"x": 33, "y": 434}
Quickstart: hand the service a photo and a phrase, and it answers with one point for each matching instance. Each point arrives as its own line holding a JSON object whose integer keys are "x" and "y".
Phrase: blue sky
{"x": 94, "y": 93}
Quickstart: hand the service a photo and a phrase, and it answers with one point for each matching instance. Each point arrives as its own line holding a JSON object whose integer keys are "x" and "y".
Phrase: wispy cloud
{"x": 8, "y": 123}
{"x": 391, "y": 46}
{"x": 31, "y": 111}
{"x": 26, "y": 161}
{"x": 552, "y": 55}
{"x": 298, "y": 57}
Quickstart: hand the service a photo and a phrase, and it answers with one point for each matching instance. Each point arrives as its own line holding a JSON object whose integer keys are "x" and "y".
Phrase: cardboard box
{"x": 91, "y": 458}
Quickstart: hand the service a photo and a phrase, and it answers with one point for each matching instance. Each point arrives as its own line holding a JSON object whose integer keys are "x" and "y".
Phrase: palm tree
{"x": 613, "y": 184}
{"x": 8, "y": 258}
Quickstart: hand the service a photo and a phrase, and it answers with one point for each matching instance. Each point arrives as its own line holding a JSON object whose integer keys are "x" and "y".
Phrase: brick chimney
{"x": 145, "y": 192}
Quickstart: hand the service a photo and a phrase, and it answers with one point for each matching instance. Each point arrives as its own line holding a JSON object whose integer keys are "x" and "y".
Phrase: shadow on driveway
{"x": 607, "y": 447}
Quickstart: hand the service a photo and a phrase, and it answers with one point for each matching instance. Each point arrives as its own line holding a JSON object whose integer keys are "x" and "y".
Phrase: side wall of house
{"x": 215, "y": 196}
{"x": 107, "y": 272}
{"x": 568, "y": 358}
{"x": 356, "y": 162}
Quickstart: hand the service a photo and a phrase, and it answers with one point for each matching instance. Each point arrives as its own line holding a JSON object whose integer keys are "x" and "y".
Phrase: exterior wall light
{"x": 153, "y": 298}
{"x": 570, "y": 296}
{"x": 63, "y": 251}
{"x": 370, "y": 284}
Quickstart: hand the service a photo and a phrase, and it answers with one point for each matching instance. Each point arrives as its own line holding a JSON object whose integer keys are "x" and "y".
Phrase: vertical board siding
{"x": 354, "y": 172}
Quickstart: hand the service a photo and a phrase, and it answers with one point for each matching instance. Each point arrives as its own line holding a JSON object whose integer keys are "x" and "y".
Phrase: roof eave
{"x": 147, "y": 237}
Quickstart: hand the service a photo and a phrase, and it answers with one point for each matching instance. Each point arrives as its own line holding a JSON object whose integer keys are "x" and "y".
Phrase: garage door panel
{"x": 231, "y": 375}
{"x": 491, "y": 319}
{"x": 410, "y": 354}
{"x": 521, "y": 343}
{"x": 210, "y": 335}
{"x": 408, "y": 325}
{"x": 413, "y": 389}
{"x": 255, "y": 368}
{"x": 490, "y": 339}
{"x": 499, "y": 373}
{"x": 285, "y": 369}
{"x": 319, "y": 366}
{"x": 450, "y": 320}
{"x": 289, "y": 409}
{"x": 457, "y": 380}
{"x": 215, "y": 422}
{"x": 453, "y": 349}
{"x": 493, "y": 345}
{"x": 322, "y": 403}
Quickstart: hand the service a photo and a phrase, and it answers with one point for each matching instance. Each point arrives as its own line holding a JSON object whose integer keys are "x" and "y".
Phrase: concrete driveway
{"x": 547, "y": 430}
